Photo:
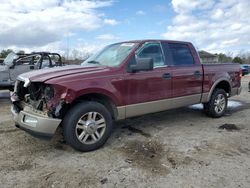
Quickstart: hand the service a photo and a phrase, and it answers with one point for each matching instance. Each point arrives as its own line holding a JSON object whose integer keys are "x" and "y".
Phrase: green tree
{"x": 223, "y": 58}
{"x": 238, "y": 60}
{"x": 21, "y": 52}
{"x": 4, "y": 53}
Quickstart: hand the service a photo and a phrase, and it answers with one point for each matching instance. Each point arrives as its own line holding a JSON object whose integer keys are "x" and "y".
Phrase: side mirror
{"x": 142, "y": 64}
{"x": 12, "y": 67}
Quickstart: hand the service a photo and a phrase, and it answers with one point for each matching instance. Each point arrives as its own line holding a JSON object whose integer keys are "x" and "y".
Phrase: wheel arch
{"x": 102, "y": 99}
{"x": 221, "y": 84}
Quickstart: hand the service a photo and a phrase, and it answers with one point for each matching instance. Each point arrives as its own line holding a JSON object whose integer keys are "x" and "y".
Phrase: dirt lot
{"x": 177, "y": 148}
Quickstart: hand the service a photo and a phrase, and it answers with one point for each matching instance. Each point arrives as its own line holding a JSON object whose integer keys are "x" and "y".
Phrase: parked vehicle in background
{"x": 1, "y": 61}
{"x": 15, "y": 64}
{"x": 244, "y": 70}
{"x": 247, "y": 66}
{"x": 123, "y": 80}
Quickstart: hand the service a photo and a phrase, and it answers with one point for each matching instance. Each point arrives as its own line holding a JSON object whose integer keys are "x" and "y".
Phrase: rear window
{"x": 181, "y": 54}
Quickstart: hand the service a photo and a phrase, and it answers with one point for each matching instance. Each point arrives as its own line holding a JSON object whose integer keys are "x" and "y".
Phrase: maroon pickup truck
{"x": 123, "y": 80}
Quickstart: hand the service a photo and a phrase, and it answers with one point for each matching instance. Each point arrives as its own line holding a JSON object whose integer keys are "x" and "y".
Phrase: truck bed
{"x": 213, "y": 73}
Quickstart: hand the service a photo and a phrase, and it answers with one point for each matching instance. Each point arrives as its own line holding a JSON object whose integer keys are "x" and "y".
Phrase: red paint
{"x": 125, "y": 88}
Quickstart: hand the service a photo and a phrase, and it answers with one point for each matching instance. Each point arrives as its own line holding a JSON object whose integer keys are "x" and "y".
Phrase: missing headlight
{"x": 49, "y": 93}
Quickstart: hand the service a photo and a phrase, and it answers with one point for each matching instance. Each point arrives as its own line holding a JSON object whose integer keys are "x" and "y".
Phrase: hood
{"x": 50, "y": 73}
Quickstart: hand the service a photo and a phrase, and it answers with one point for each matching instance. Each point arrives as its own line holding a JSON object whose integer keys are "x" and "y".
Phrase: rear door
{"x": 187, "y": 74}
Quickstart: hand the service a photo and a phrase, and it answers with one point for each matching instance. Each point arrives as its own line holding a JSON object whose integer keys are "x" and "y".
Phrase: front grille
{"x": 20, "y": 90}
{"x": 34, "y": 90}
{"x": 16, "y": 107}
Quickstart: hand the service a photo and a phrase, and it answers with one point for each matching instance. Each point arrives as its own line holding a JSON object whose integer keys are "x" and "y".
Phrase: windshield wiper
{"x": 93, "y": 62}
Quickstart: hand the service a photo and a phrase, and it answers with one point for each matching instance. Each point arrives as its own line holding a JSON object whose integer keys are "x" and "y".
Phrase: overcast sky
{"x": 56, "y": 25}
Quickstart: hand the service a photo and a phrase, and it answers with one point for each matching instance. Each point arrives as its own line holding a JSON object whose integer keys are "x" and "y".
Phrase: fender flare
{"x": 207, "y": 97}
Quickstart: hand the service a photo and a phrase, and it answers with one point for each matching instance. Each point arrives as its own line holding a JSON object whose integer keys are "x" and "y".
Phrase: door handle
{"x": 167, "y": 76}
{"x": 32, "y": 67}
{"x": 197, "y": 74}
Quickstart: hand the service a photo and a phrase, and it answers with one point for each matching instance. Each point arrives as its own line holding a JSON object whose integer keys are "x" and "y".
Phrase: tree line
{"x": 242, "y": 58}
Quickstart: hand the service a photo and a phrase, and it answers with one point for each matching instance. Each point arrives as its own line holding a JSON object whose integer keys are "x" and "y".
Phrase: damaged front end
{"x": 40, "y": 97}
{"x": 38, "y": 108}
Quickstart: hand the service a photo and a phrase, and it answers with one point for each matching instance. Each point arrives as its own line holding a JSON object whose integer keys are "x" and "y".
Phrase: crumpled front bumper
{"x": 35, "y": 122}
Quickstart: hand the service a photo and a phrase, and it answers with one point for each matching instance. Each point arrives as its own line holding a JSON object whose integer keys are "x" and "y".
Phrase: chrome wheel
{"x": 90, "y": 128}
{"x": 219, "y": 103}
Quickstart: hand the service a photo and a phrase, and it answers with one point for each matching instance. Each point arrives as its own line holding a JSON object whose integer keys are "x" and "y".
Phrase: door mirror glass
{"x": 142, "y": 64}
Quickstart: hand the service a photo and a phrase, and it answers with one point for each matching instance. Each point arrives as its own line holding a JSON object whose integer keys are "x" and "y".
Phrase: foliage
{"x": 238, "y": 60}
{"x": 4, "y": 53}
{"x": 223, "y": 58}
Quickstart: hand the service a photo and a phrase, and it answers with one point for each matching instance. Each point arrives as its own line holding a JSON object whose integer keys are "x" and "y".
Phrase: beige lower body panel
{"x": 43, "y": 124}
{"x": 156, "y": 106}
{"x": 205, "y": 97}
{"x": 234, "y": 91}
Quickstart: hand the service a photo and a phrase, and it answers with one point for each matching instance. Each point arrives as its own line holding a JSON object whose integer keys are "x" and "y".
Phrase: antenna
{"x": 67, "y": 45}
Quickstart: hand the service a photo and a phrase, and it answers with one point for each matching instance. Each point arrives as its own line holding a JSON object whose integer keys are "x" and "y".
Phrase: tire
{"x": 217, "y": 104}
{"x": 87, "y": 126}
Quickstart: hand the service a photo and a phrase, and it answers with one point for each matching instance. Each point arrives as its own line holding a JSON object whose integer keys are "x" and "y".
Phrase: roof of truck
{"x": 161, "y": 40}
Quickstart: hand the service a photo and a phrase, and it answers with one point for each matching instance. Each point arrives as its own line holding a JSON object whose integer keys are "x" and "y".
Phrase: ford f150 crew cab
{"x": 123, "y": 80}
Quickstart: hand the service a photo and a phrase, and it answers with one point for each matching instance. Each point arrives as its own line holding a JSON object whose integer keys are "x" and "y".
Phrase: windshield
{"x": 112, "y": 55}
{"x": 9, "y": 59}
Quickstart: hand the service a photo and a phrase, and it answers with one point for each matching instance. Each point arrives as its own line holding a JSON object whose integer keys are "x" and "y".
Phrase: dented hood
{"x": 46, "y": 74}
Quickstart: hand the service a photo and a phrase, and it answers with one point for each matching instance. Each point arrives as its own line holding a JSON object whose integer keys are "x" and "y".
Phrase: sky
{"x": 87, "y": 25}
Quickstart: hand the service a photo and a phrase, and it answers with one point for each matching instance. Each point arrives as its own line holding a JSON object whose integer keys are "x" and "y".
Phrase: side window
{"x": 45, "y": 62}
{"x": 152, "y": 50}
{"x": 29, "y": 60}
{"x": 24, "y": 61}
{"x": 181, "y": 54}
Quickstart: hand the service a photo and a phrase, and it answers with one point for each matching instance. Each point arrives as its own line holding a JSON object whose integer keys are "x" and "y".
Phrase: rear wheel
{"x": 87, "y": 126}
{"x": 217, "y": 105}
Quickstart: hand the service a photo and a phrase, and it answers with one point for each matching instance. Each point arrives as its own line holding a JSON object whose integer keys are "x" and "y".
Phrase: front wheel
{"x": 87, "y": 126}
{"x": 217, "y": 104}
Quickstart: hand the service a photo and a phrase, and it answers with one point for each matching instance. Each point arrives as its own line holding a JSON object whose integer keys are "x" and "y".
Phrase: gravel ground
{"x": 176, "y": 148}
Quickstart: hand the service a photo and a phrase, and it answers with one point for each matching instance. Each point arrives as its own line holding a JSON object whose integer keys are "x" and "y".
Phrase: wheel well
{"x": 225, "y": 86}
{"x": 104, "y": 100}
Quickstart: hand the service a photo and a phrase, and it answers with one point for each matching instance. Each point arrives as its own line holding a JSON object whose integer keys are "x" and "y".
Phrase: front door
{"x": 19, "y": 69}
{"x": 147, "y": 89}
